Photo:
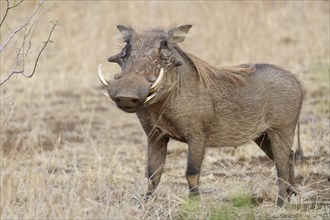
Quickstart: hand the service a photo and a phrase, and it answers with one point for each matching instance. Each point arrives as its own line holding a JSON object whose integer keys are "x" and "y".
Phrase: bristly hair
{"x": 207, "y": 73}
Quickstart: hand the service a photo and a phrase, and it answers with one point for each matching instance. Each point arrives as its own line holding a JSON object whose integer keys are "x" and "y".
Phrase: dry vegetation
{"x": 68, "y": 152}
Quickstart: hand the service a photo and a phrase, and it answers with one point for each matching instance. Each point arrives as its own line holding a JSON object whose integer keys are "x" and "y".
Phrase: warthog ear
{"x": 178, "y": 34}
{"x": 126, "y": 32}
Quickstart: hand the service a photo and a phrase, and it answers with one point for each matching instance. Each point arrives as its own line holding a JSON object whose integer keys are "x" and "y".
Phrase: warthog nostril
{"x": 127, "y": 101}
{"x": 117, "y": 101}
{"x": 135, "y": 100}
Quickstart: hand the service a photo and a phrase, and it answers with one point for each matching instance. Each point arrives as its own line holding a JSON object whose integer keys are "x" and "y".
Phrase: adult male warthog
{"x": 177, "y": 95}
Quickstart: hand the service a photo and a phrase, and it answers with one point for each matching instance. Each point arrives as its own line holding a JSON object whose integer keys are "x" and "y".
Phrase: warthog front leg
{"x": 195, "y": 159}
{"x": 157, "y": 151}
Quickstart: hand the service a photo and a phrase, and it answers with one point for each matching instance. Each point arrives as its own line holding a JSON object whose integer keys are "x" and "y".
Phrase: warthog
{"x": 177, "y": 95}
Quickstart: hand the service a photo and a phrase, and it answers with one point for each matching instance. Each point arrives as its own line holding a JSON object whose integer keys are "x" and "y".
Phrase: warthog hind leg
{"x": 281, "y": 141}
{"x": 291, "y": 189}
{"x": 264, "y": 143}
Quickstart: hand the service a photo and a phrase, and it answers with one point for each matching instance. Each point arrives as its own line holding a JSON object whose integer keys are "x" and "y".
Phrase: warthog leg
{"x": 195, "y": 159}
{"x": 263, "y": 142}
{"x": 281, "y": 141}
{"x": 157, "y": 151}
{"x": 291, "y": 189}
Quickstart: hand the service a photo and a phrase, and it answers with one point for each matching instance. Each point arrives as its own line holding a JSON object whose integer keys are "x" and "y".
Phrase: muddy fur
{"x": 205, "y": 106}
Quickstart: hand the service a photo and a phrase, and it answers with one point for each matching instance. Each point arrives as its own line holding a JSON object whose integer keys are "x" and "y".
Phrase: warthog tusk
{"x": 157, "y": 82}
{"x": 155, "y": 85}
{"x": 101, "y": 76}
{"x": 105, "y": 93}
{"x": 149, "y": 98}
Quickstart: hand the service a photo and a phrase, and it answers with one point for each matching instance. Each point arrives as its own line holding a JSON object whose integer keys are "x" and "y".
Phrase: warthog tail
{"x": 299, "y": 154}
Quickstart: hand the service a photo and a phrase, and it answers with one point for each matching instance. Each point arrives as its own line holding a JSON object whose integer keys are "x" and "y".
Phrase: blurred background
{"x": 61, "y": 108}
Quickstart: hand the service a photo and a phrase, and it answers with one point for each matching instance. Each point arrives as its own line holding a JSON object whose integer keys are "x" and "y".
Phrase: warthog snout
{"x": 126, "y": 101}
{"x": 132, "y": 91}
{"x": 128, "y": 94}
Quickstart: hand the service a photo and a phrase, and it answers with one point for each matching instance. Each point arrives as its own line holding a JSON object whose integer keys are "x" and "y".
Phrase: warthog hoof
{"x": 193, "y": 192}
{"x": 150, "y": 196}
{"x": 291, "y": 191}
{"x": 298, "y": 157}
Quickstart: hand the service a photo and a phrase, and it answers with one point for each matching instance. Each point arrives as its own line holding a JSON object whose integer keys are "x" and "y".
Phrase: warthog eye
{"x": 123, "y": 54}
{"x": 164, "y": 44}
{"x": 126, "y": 50}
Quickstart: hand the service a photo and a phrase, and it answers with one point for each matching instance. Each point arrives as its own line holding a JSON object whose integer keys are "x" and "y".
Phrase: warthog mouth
{"x": 153, "y": 88}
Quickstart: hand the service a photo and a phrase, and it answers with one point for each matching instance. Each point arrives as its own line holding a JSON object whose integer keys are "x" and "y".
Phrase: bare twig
{"x": 42, "y": 49}
{"x": 26, "y": 22}
{"x": 9, "y": 8}
{"x": 14, "y": 71}
{"x": 24, "y": 50}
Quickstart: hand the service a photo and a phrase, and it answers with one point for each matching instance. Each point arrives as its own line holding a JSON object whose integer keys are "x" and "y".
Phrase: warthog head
{"x": 145, "y": 61}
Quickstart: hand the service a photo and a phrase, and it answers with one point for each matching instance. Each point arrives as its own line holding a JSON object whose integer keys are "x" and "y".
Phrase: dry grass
{"x": 68, "y": 152}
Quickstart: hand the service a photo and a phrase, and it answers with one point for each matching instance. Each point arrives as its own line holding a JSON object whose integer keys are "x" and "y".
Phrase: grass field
{"x": 67, "y": 152}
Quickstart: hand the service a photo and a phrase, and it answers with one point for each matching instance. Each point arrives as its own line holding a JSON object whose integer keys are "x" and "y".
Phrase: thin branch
{"x": 25, "y": 53}
{"x": 22, "y": 25}
{"x": 8, "y": 77}
{"x": 42, "y": 49}
{"x": 14, "y": 71}
{"x": 33, "y": 28}
{"x": 7, "y": 10}
{"x": 15, "y": 5}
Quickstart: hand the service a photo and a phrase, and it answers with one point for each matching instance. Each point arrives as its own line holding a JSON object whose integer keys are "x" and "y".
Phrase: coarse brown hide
{"x": 176, "y": 95}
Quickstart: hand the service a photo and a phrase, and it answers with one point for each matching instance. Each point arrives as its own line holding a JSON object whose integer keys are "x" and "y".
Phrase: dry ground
{"x": 68, "y": 152}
